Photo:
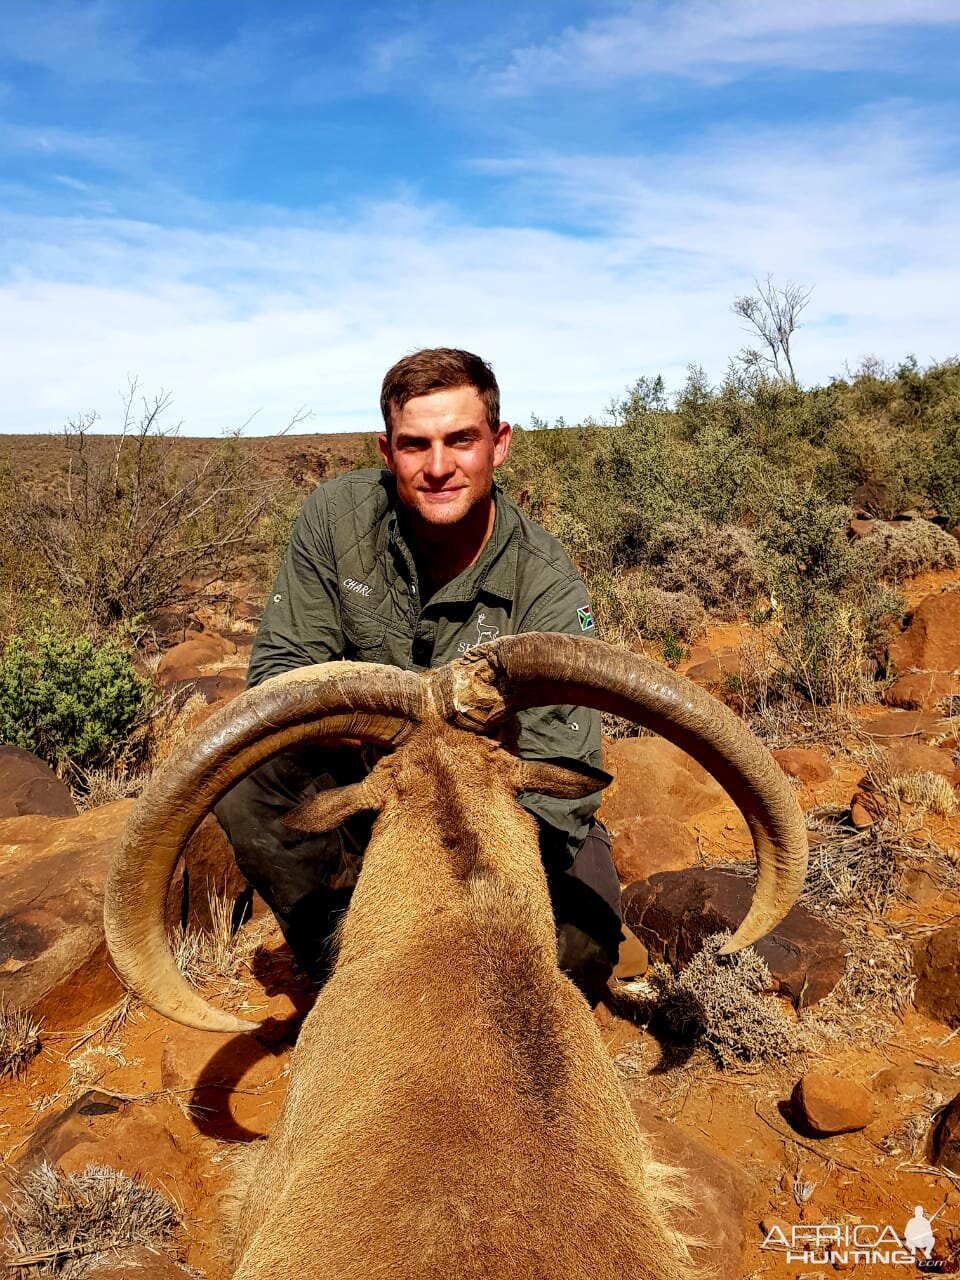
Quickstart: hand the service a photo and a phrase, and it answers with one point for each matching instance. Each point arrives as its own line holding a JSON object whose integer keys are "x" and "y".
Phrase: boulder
{"x": 53, "y": 957}
{"x": 822, "y": 1106}
{"x": 932, "y": 640}
{"x": 52, "y": 953}
{"x": 718, "y": 1191}
{"x": 918, "y": 757}
{"x": 945, "y": 1140}
{"x": 153, "y": 1141}
{"x": 921, "y": 690}
{"x": 652, "y": 777}
{"x": 651, "y": 844}
{"x": 892, "y": 725}
{"x": 673, "y": 914}
{"x": 936, "y": 964}
{"x": 185, "y": 660}
{"x": 29, "y": 785}
{"x": 804, "y": 763}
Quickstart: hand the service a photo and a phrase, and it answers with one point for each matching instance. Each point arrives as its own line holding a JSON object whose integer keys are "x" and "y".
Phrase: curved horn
{"x": 337, "y": 700}
{"x": 512, "y": 673}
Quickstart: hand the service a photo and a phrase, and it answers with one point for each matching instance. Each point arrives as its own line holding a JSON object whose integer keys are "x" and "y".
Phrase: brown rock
{"x": 918, "y": 757}
{"x": 716, "y": 669}
{"x": 652, "y": 777}
{"x": 718, "y": 1194}
{"x": 920, "y": 885}
{"x": 219, "y": 688}
{"x": 52, "y": 953}
{"x": 675, "y": 912}
{"x": 804, "y": 763}
{"x": 936, "y": 964}
{"x": 945, "y": 1141}
{"x": 633, "y": 960}
{"x": 905, "y": 1081}
{"x": 932, "y": 640}
{"x": 864, "y": 810}
{"x": 28, "y": 785}
{"x": 891, "y": 725}
{"x": 651, "y": 844}
{"x": 153, "y": 1141}
{"x": 208, "y": 870}
{"x": 825, "y": 1105}
{"x": 921, "y": 690}
{"x": 185, "y": 660}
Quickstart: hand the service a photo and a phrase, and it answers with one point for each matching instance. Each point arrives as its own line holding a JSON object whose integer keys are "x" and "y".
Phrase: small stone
{"x": 824, "y": 1105}
{"x": 864, "y": 810}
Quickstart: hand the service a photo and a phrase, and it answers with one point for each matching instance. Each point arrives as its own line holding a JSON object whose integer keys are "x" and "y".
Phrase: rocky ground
{"x": 829, "y": 1096}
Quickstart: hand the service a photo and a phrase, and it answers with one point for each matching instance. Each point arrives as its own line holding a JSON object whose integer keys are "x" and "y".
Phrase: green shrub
{"x": 68, "y": 698}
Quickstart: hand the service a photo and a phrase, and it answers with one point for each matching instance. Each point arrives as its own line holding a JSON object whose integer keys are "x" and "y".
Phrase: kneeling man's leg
{"x": 306, "y": 880}
{"x": 586, "y": 905}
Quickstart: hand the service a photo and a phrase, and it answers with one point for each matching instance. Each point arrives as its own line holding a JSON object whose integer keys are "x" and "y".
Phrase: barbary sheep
{"x": 451, "y": 1111}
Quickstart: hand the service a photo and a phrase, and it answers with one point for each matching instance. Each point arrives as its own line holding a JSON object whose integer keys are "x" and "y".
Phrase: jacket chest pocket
{"x": 363, "y": 637}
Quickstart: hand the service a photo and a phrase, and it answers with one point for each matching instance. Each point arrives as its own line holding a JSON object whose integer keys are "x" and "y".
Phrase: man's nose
{"x": 440, "y": 461}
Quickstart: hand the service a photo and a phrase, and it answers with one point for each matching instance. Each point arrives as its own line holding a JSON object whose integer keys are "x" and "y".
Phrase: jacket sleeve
{"x": 301, "y": 619}
{"x": 561, "y": 732}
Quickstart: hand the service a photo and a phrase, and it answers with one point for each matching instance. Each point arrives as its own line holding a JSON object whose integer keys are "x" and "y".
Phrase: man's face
{"x": 443, "y": 453}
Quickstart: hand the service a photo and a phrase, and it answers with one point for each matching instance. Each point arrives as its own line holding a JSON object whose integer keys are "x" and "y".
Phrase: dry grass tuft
{"x": 19, "y": 1039}
{"x": 925, "y": 790}
{"x": 850, "y": 869}
{"x": 60, "y": 1224}
{"x": 215, "y": 956}
{"x": 718, "y": 1003}
{"x": 96, "y": 787}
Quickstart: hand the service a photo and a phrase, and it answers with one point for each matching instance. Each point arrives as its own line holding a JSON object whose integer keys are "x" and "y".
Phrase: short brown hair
{"x": 439, "y": 369}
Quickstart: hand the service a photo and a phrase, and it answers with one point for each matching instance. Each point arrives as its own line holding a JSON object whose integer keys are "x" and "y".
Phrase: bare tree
{"x": 772, "y": 313}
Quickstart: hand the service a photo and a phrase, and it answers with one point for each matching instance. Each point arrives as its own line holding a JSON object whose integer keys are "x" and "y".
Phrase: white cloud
{"x": 283, "y": 312}
{"x": 707, "y": 40}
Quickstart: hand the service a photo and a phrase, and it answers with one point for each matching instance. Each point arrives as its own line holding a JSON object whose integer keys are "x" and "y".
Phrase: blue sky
{"x": 259, "y": 205}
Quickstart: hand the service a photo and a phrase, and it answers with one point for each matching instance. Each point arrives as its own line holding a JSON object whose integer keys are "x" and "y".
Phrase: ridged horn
{"x": 497, "y": 679}
{"x": 364, "y": 701}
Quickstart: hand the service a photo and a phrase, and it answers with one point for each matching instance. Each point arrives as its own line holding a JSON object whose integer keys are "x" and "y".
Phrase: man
{"x": 412, "y": 567}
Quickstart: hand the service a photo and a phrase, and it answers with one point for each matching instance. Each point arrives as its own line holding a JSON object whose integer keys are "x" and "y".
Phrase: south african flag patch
{"x": 585, "y": 618}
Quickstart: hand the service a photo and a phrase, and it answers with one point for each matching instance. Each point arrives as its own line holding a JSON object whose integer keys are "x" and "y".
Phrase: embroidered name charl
{"x": 352, "y": 584}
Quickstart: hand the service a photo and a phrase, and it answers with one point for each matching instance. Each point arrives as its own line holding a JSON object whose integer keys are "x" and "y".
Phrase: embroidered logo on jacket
{"x": 585, "y": 618}
{"x": 485, "y": 631}
{"x": 352, "y": 584}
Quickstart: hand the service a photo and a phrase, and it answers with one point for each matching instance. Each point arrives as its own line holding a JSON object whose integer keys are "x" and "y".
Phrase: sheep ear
{"x": 569, "y": 779}
{"x": 331, "y": 808}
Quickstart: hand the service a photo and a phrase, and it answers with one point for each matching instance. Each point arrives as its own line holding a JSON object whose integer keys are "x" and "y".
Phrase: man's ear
{"x": 501, "y": 443}
{"x": 386, "y": 453}
{"x": 568, "y": 781}
{"x": 330, "y": 808}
